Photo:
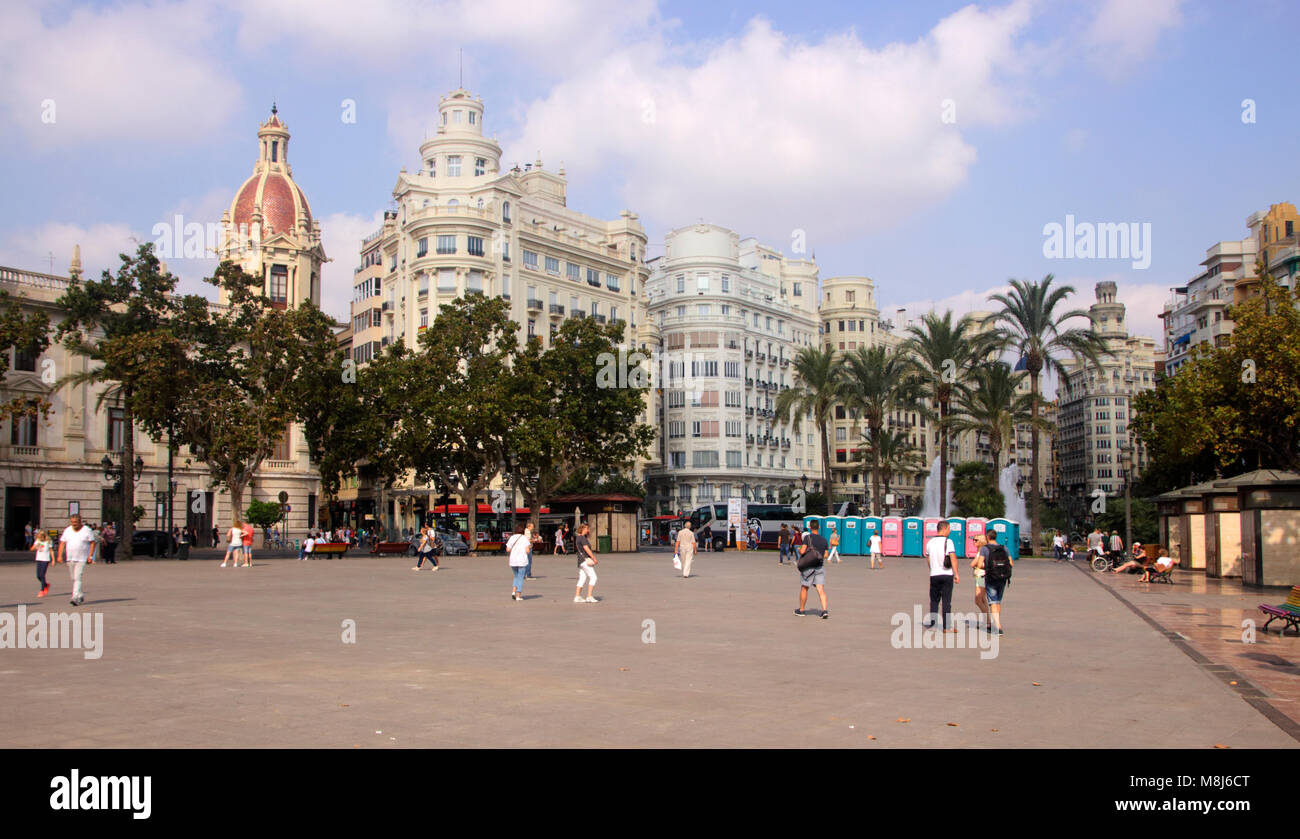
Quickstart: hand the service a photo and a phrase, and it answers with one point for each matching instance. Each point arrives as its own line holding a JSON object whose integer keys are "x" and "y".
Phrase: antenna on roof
{"x": 462, "y": 66}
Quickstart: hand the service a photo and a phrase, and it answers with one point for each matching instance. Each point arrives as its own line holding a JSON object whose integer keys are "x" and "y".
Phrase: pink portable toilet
{"x": 891, "y": 535}
{"x": 974, "y": 530}
{"x": 929, "y": 531}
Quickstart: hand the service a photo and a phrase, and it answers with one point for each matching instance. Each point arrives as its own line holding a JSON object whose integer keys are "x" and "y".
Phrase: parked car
{"x": 152, "y": 542}
{"x": 453, "y": 543}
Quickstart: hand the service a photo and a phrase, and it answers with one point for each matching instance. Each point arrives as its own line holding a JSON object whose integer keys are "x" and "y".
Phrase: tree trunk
{"x": 1033, "y": 465}
{"x": 236, "y": 498}
{"x": 875, "y": 471}
{"x": 943, "y": 459}
{"x": 126, "y": 535}
{"x": 826, "y": 471}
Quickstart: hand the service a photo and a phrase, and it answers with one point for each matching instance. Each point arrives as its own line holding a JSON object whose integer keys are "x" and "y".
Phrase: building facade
{"x": 731, "y": 314}
{"x": 460, "y": 225}
{"x": 1095, "y": 408}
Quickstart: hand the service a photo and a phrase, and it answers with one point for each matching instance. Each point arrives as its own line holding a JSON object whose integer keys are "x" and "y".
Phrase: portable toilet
{"x": 974, "y": 530}
{"x": 831, "y": 524}
{"x": 929, "y": 531}
{"x": 913, "y": 545}
{"x": 957, "y": 533}
{"x": 807, "y": 520}
{"x": 870, "y": 526}
{"x": 891, "y": 535}
{"x": 851, "y": 536}
{"x": 1007, "y": 535}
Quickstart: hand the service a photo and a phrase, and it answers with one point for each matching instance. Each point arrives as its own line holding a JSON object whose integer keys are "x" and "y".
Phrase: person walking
{"x": 783, "y": 544}
{"x": 184, "y": 547}
{"x": 43, "y": 550}
{"x": 559, "y": 540}
{"x": 29, "y": 536}
{"x": 812, "y": 569}
{"x": 587, "y": 563}
{"x": 942, "y": 556}
{"x": 997, "y": 566}
{"x": 977, "y": 568}
{"x": 216, "y": 536}
{"x": 834, "y": 540}
{"x": 1116, "y": 547}
{"x": 109, "y": 536}
{"x": 686, "y": 548}
{"x": 247, "y": 544}
{"x": 518, "y": 547}
{"x": 236, "y": 547}
{"x": 77, "y": 547}
{"x": 425, "y": 551}
{"x": 876, "y": 549}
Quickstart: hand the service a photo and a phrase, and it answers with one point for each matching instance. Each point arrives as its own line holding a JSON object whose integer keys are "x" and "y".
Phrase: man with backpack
{"x": 811, "y": 563}
{"x": 997, "y": 576}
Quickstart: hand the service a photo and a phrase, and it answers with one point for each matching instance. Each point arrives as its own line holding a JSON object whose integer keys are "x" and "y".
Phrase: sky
{"x": 928, "y": 145}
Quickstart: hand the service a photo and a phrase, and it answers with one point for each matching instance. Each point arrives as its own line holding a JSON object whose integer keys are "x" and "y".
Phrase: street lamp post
{"x": 1126, "y": 459}
{"x": 514, "y": 464}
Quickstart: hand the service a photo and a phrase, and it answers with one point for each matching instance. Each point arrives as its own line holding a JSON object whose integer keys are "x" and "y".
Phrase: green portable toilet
{"x": 913, "y": 542}
{"x": 851, "y": 536}
{"x": 957, "y": 533}
{"x": 1007, "y": 534}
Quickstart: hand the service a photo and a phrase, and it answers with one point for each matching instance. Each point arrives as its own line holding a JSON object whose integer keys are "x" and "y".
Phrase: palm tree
{"x": 994, "y": 405}
{"x": 875, "y": 382}
{"x": 890, "y": 452}
{"x": 816, "y": 389}
{"x": 942, "y": 354}
{"x": 1030, "y": 324}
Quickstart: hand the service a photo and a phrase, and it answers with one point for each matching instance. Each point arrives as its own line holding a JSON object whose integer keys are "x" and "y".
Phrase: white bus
{"x": 767, "y": 518}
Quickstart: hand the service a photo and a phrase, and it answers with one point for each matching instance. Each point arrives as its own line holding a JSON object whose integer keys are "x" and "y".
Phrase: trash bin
{"x": 184, "y": 552}
{"x": 603, "y": 543}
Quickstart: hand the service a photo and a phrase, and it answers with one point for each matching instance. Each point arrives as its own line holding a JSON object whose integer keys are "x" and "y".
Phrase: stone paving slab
{"x": 199, "y": 656}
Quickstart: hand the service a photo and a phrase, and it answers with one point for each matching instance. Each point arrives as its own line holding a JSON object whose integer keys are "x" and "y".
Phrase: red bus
{"x": 493, "y": 529}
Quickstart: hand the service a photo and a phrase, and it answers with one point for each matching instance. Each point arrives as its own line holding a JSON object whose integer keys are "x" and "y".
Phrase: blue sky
{"x": 768, "y": 117}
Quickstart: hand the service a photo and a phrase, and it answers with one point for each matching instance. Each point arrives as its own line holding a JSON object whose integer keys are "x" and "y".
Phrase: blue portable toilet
{"x": 809, "y": 519}
{"x": 851, "y": 536}
{"x": 832, "y": 524}
{"x": 957, "y": 533}
{"x": 913, "y": 543}
{"x": 871, "y": 526}
{"x": 1007, "y": 533}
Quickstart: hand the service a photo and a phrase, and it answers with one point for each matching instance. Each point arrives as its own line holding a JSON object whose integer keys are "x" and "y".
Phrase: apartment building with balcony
{"x": 731, "y": 314}
{"x": 1196, "y": 315}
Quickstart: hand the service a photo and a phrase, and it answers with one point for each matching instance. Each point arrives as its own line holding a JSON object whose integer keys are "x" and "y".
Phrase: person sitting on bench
{"x": 1139, "y": 562}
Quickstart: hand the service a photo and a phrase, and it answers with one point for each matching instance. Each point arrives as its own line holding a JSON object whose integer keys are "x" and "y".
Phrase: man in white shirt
{"x": 686, "y": 548}
{"x": 877, "y": 550}
{"x": 307, "y": 545}
{"x": 77, "y": 546}
{"x": 942, "y": 556}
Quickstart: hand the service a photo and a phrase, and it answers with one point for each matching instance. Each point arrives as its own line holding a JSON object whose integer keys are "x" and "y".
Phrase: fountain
{"x": 1015, "y": 504}
{"x": 930, "y": 501}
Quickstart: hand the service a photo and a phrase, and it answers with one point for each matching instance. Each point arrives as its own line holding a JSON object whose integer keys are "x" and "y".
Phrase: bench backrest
{"x": 1294, "y": 599}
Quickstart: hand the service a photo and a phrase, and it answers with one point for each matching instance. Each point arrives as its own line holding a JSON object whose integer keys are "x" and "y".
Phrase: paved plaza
{"x": 199, "y": 656}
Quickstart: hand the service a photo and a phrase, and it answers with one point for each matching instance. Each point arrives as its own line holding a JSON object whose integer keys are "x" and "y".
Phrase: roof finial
{"x": 273, "y": 110}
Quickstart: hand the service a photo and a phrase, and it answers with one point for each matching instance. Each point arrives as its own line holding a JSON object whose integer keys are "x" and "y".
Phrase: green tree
{"x": 875, "y": 381}
{"x": 993, "y": 405}
{"x": 569, "y": 413}
{"x": 1031, "y": 324}
{"x": 817, "y": 388}
{"x": 117, "y": 325}
{"x": 263, "y": 514}
{"x": 942, "y": 354}
{"x": 975, "y": 492}
{"x": 23, "y": 331}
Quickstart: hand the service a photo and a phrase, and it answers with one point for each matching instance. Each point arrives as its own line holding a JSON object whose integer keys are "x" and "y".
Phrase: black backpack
{"x": 997, "y": 566}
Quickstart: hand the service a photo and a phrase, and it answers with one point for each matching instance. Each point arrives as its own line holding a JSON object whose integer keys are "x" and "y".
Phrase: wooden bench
{"x": 1288, "y": 612}
{"x": 380, "y": 548}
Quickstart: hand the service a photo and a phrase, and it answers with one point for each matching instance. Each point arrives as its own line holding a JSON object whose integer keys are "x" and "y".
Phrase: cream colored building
{"x": 731, "y": 315}
{"x": 461, "y": 225}
{"x": 1095, "y": 406}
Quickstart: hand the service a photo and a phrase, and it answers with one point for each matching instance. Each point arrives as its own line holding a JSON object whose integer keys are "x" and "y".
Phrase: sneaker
{"x": 41, "y": 593}
{"x": 434, "y": 568}
{"x": 416, "y": 568}
{"x": 223, "y": 565}
{"x": 800, "y": 612}
{"x": 73, "y": 601}
{"x": 578, "y": 600}
{"x": 592, "y": 600}
{"x": 826, "y": 614}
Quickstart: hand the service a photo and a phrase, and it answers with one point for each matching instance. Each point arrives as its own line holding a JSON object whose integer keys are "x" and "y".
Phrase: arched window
{"x": 505, "y": 211}
{"x": 453, "y": 204}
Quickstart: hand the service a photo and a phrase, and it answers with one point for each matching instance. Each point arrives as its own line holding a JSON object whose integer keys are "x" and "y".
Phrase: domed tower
{"x": 1107, "y": 314}
{"x": 269, "y": 229}
{"x": 459, "y": 152}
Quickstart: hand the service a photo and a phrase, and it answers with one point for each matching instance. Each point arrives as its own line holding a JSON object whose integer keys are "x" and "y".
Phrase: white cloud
{"x": 769, "y": 133}
{"x": 48, "y": 248}
{"x": 341, "y": 235}
{"x": 1125, "y": 32}
{"x": 121, "y": 71}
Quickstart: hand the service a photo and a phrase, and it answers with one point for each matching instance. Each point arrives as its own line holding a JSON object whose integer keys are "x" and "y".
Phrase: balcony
{"x": 785, "y": 362}
{"x": 749, "y": 382}
{"x": 534, "y": 305}
{"x": 577, "y": 314}
{"x": 749, "y": 439}
{"x": 599, "y": 318}
{"x": 749, "y": 412}
{"x": 761, "y": 358}
{"x": 557, "y": 310}
{"x": 749, "y": 355}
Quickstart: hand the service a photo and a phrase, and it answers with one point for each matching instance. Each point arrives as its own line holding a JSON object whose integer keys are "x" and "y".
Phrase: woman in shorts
{"x": 977, "y": 564}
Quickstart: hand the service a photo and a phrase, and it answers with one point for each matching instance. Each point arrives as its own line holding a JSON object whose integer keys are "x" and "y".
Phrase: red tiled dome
{"x": 280, "y": 198}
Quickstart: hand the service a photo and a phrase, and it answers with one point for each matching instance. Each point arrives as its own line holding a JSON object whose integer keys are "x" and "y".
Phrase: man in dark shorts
{"x": 813, "y": 573}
